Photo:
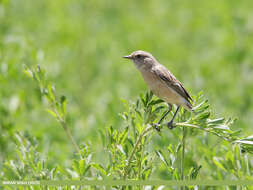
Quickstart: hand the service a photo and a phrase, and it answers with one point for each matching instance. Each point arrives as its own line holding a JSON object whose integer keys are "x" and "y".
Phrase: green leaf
{"x": 82, "y": 166}
{"x": 123, "y": 135}
{"x": 157, "y": 109}
{"x": 143, "y": 100}
{"x": 50, "y": 89}
{"x": 160, "y": 155}
{"x": 120, "y": 148}
{"x": 170, "y": 149}
{"x": 249, "y": 138}
{"x": 39, "y": 73}
{"x": 149, "y": 96}
{"x": 201, "y": 117}
{"x": 73, "y": 174}
{"x": 139, "y": 113}
{"x": 146, "y": 173}
{"x": 39, "y": 167}
{"x": 204, "y": 116}
{"x": 244, "y": 142}
{"x": 229, "y": 156}
{"x": 52, "y": 113}
{"x": 215, "y": 121}
{"x": 223, "y": 127}
{"x": 154, "y": 102}
{"x": 63, "y": 104}
{"x": 75, "y": 166}
{"x": 53, "y": 173}
{"x": 175, "y": 174}
{"x": 178, "y": 148}
{"x": 200, "y": 105}
{"x": 28, "y": 72}
{"x": 86, "y": 169}
{"x": 194, "y": 172}
{"x": 218, "y": 164}
{"x": 38, "y": 69}
{"x": 100, "y": 168}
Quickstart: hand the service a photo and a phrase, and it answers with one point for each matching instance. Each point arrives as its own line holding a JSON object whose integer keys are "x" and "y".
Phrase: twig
{"x": 203, "y": 129}
{"x": 66, "y": 129}
{"x": 144, "y": 132}
{"x": 182, "y": 157}
{"x": 64, "y": 125}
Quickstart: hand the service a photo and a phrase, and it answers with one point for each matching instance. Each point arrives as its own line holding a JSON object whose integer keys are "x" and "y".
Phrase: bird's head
{"x": 142, "y": 59}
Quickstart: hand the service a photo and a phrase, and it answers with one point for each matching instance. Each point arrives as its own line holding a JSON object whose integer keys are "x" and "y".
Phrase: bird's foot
{"x": 171, "y": 125}
{"x": 157, "y": 126}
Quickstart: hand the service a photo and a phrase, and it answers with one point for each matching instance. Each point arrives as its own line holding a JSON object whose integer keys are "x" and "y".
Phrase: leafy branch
{"x": 142, "y": 117}
{"x": 138, "y": 142}
{"x": 128, "y": 158}
{"x": 202, "y": 119}
{"x": 57, "y": 107}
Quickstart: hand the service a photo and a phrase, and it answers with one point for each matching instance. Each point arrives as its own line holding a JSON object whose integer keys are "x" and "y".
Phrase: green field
{"x": 80, "y": 44}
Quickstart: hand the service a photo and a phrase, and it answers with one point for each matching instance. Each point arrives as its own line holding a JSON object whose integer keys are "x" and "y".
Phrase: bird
{"x": 162, "y": 83}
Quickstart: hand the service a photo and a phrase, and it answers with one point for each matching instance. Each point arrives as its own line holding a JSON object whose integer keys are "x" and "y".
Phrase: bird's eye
{"x": 138, "y": 56}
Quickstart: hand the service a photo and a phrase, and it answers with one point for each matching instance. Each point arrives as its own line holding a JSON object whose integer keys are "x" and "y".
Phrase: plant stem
{"x": 182, "y": 157}
{"x": 66, "y": 129}
{"x": 209, "y": 130}
{"x": 144, "y": 132}
{"x": 64, "y": 125}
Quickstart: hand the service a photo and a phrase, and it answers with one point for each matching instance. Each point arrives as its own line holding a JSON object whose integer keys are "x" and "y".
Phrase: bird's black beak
{"x": 128, "y": 57}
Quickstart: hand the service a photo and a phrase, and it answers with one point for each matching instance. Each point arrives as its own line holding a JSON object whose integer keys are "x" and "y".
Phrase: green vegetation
{"x": 82, "y": 115}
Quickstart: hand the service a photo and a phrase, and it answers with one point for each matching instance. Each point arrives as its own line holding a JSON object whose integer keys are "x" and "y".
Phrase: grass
{"x": 206, "y": 44}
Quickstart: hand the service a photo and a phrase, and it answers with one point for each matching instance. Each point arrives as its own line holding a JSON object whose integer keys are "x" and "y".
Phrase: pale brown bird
{"x": 161, "y": 82}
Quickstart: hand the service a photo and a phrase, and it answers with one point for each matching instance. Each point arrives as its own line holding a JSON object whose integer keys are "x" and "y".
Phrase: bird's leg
{"x": 170, "y": 124}
{"x": 159, "y": 122}
{"x": 170, "y": 108}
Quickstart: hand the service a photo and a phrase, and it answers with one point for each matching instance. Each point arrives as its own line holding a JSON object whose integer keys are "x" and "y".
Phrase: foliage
{"x": 206, "y": 44}
{"x": 130, "y": 151}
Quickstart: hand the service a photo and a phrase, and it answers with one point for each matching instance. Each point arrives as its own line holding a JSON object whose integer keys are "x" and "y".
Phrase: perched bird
{"x": 161, "y": 82}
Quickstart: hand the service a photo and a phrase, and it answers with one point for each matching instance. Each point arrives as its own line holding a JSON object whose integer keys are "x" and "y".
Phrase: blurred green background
{"x": 206, "y": 44}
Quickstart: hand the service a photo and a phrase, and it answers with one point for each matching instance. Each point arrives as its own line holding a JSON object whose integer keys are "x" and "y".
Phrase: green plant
{"x": 80, "y": 43}
{"x": 130, "y": 152}
{"x": 57, "y": 107}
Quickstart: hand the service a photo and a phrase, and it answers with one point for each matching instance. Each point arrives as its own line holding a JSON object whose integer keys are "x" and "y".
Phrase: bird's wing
{"x": 166, "y": 76}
